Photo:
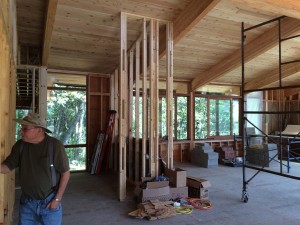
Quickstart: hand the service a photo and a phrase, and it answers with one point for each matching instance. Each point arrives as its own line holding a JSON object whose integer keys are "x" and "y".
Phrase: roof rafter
{"x": 288, "y": 8}
{"x": 187, "y": 19}
{"x": 253, "y": 49}
{"x": 267, "y": 79}
{"x": 49, "y": 23}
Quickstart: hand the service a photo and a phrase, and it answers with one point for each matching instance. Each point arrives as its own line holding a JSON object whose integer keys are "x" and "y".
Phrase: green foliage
{"x": 181, "y": 113}
{"x": 67, "y": 116}
{"x": 200, "y": 118}
{"x": 67, "y": 119}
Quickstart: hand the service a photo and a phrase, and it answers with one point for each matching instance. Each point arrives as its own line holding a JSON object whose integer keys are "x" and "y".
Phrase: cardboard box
{"x": 154, "y": 184}
{"x": 177, "y": 177}
{"x": 178, "y": 192}
{"x": 143, "y": 195}
{"x": 198, "y": 187}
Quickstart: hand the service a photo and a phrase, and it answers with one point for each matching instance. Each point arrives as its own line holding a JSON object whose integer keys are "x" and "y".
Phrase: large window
{"x": 216, "y": 117}
{"x": 181, "y": 117}
{"x": 201, "y": 118}
{"x": 66, "y": 110}
{"x": 180, "y": 122}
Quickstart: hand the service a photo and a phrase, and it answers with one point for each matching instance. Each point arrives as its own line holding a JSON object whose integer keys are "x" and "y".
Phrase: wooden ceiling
{"x": 84, "y": 36}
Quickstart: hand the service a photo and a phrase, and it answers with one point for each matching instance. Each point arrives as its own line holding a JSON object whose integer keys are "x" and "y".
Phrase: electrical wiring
{"x": 200, "y": 203}
{"x": 183, "y": 209}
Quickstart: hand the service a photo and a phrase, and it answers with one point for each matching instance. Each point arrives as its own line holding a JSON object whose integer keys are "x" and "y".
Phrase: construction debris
{"x": 154, "y": 209}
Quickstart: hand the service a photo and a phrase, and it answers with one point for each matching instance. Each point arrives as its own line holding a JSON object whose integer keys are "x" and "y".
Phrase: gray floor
{"x": 273, "y": 200}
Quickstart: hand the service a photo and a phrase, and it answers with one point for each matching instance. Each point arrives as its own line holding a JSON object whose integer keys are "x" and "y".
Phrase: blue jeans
{"x": 33, "y": 212}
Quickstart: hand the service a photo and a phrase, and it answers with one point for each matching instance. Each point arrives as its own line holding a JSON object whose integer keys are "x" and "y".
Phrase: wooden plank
{"x": 123, "y": 78}
{"x": 265, "y": 79}
{"x": 144, "y": 93}
{"x": 154, "y": 74}
{"x": 130, "y": 114}
{"x": 152, "y": 96}
{"x": 51, "y": 12}
{"x": 261, "y": 44}
{"x": 169, "y": 61}
{"x": 288, "y": 7}
{"x": 137, "y": 109}
{"x": 116, "y": 128}
{"x": 187, "y": 19}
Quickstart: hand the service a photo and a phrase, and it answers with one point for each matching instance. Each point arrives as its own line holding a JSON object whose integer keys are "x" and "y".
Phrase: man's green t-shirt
{"x": 34, "y": 166}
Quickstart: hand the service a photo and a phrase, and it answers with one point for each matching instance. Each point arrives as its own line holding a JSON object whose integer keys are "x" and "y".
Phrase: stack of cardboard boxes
{"x": 178, "y": 185}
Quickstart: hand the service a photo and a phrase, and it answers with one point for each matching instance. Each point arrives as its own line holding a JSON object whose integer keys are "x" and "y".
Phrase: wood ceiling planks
{"x": 85, "y": 34}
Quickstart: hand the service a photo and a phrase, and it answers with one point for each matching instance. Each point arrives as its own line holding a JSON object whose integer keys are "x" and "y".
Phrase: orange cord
{"x": 200, "y": 203}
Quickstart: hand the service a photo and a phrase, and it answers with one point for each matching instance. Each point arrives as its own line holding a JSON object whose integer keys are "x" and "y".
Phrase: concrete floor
{"x": 273, "y": 200}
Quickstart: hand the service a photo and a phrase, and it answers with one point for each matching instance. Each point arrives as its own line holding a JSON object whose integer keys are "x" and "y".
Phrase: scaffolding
{"x": 270, "y": 147}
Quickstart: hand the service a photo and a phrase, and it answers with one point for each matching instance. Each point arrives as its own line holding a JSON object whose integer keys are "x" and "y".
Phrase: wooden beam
{"x": 123, "y": 91}
{"x": 169, "y": 72}
{"x": 137, "y": 109}
{"x": 154, "y": 74}
{"x": 130, "y": 112}
{"x": 267, "y": 79}
{"x": 49, "y": 23}
{"x": 288, "y": 8}
{"x": 261, "y": 44}
{"x": 144, "y": 88}
{"x": 187, "y": 19}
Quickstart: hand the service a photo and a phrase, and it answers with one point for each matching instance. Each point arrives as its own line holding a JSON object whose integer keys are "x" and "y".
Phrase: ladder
{"x": 106, "y": 144}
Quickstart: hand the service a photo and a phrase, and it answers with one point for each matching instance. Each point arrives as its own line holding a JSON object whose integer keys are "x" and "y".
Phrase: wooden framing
{"x": 153, "y": 138}
{"x": 7, "y": 101}
{"x": 137, "y": 110}
{"x": 130, "y": 115}
{"x": 143, "y": 66}
{"x": 144, "y": 91}
{"x": 123, "y": 123}
{"x": 51, "y": 11}
{"x": 170, "y": 94}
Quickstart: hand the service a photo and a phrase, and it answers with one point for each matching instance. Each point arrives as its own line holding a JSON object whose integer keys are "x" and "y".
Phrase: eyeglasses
{"x": 25, "y": 129}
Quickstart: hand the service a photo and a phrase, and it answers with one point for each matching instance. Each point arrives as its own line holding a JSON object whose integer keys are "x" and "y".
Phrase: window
{"x": 219, "y": 117}
{"x": 66, "y": 110}
{"x": 216, "y": 117}
{"x": 181, "y": 118}
{"x": 200, "y": 118}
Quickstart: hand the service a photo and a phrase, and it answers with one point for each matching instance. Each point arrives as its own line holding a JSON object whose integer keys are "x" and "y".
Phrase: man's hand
{"x": 53, "y": 204}
{"x": 4, "y": 168}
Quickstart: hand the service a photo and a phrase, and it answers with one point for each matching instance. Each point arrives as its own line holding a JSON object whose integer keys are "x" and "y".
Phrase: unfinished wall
{"x": 7, "y": 102}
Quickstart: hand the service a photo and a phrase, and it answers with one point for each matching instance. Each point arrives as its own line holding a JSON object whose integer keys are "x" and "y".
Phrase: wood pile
{"x": 154, "y": 209}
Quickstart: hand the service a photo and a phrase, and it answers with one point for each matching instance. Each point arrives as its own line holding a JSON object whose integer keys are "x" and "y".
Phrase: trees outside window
{"x": 222, "y": 116}
{"x": 66, "y": 111}
{"x": 201, "y": 124}
{"x": 181, "y": 117}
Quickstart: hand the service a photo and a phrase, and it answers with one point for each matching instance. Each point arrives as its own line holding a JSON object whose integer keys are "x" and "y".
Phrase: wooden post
{"x": 137, "y": 109}
{"x": 130, "y": 113}
{"x": 169, "y": 56}
{"x": 145, "y": 118}
{"x": 123, "y": 108}
{"x": 192, "y": 121}
{"x": 154, "y": 65}
{"x": 42, "y": 92}
{"x": 116, "y": 128}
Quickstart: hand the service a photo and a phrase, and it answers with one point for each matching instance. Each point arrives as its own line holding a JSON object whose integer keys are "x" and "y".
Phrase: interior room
{"x": 164, "y": 100}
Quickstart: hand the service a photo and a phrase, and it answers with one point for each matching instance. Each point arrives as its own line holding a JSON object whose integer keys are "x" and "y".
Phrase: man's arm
{"x": 4, "y": 168}
{"x": 64, "y": 179}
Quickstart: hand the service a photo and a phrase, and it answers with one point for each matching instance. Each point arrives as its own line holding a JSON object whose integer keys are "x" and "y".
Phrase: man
{"x": 40, "y": 202}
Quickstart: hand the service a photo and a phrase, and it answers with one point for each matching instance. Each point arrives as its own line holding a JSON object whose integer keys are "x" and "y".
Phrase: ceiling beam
{"x": 261, "y": 44}
{"x": 49, "y": 23}
{"x": 266, "y": 79}
{"x": 288, "y": 8}
{"x": 187, "y": 19}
